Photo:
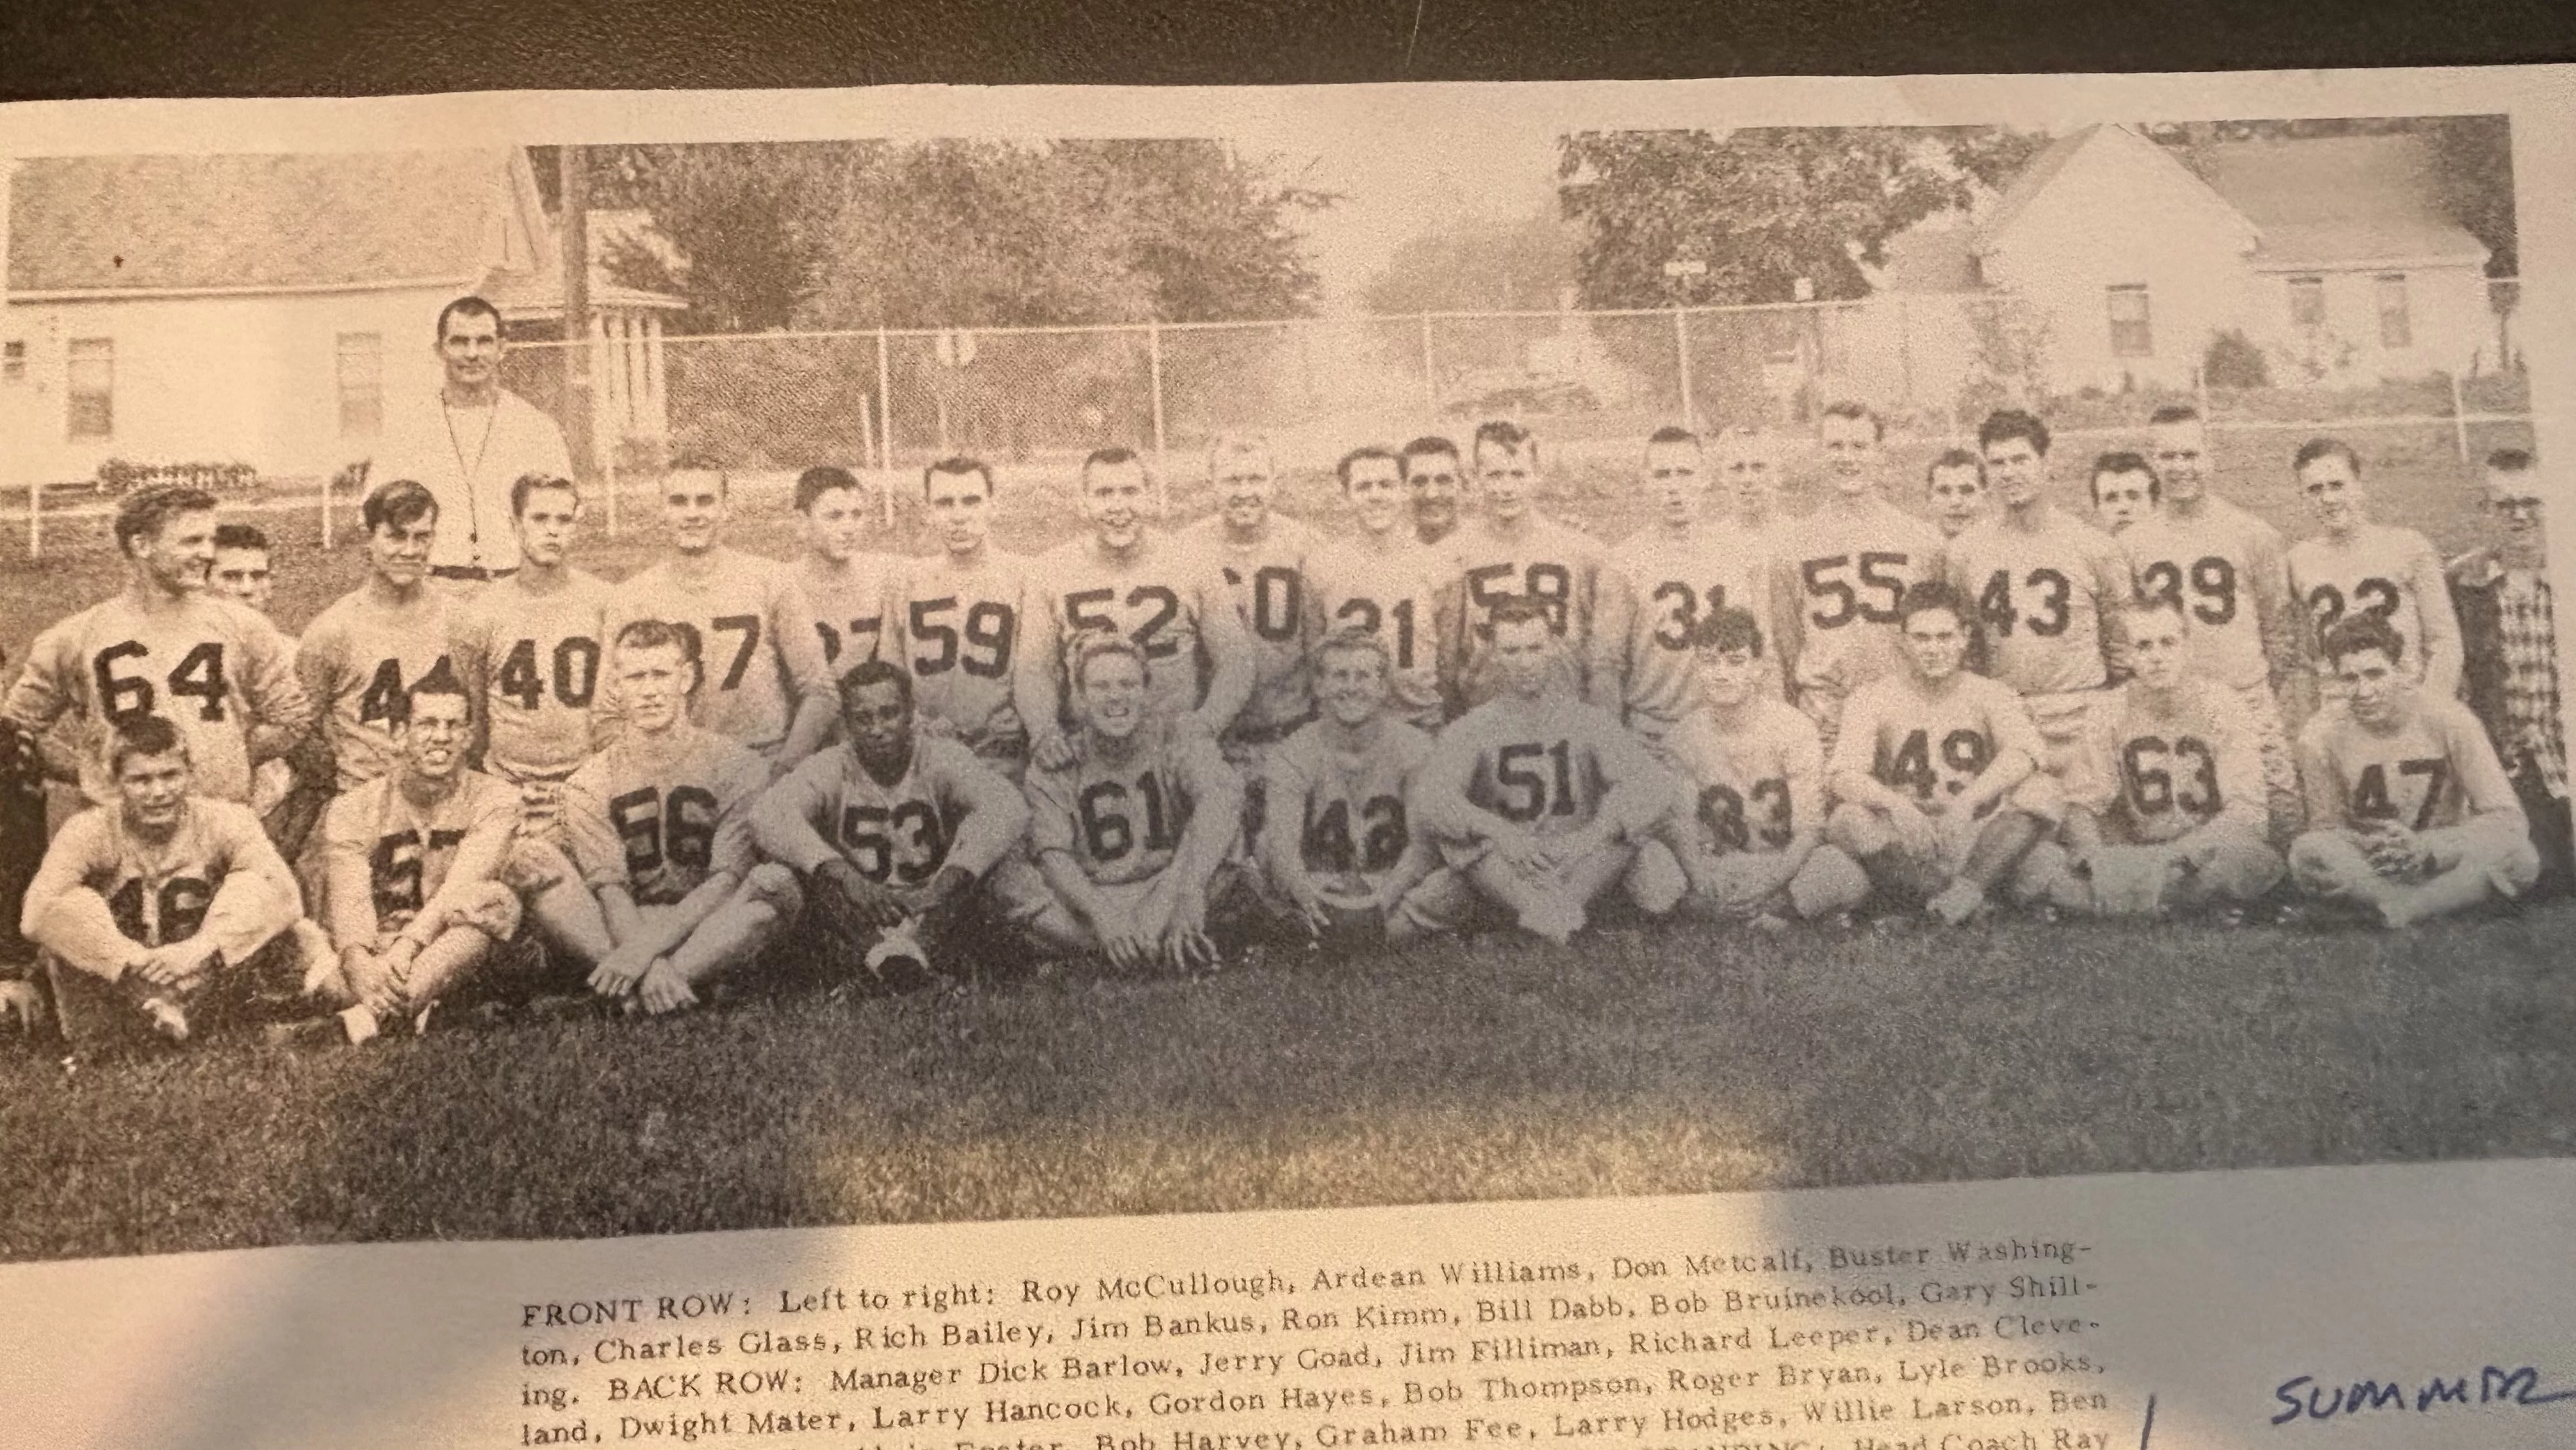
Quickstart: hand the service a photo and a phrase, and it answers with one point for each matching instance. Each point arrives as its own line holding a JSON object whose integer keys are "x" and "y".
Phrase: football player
{"x": 1666, "y": 578}
{"x": 1135, "y": 835}
{"x": 890, "y": 830}
{"x": 843, "y": 584}
{"x": 1511, "y": 551}
{"x": 143, "y": 902}
{"x": 1337, "y": 850}
{"x": 2169, "y": 815}
{"x": 1132, "y": 579}
{"x": 1433, "y": 480}
{"x": 767, "y": 686}
{"x": 1263, "y": 558}
{"x": 959, "y": 620}
{"x": 377, "y": 641}
{"x": 242, "y": 567}
{"x": 660, "y": 826}
{"x": 2048, "y": 589}
{"x": 165, "y": 646}
{"x": 1844, "y": 570}
{"x": 2126, "y": 493}
{"x": 2356, "y": 566}
{"x": 285, "y": 802}
{"x": 1542, "y": 800}
{"x": 1749, "y": 826}
{"x": 1747, "y": 461}
{"x": 1955, "y": 484}
{"x": 1381, "y": 578}
{"x": 527, "y": 650}
{"x": 2410, "y": 814}
{"x": 1934, "y": 778}
{"x": 2230, "y": 570}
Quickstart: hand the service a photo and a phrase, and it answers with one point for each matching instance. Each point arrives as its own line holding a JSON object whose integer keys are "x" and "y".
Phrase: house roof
{"x": 2028, "y": 183}
{"x": 2325, "y": 201}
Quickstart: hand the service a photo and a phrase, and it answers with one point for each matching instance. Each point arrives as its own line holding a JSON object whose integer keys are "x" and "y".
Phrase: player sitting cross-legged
{"x": 1133, "y": 838}
{"x": 143, "y": 903}
{"x": 2409, "y": 812}
{"x": 1934, "y": 772}
{"x": 1541, "y": 799}
{"x": 659, "y": 823}
{"x": 1337, "y": 852}
{"x": 1750, "y": 827}
{"x": 889, "y": 830}
{"x": 2169, "y": 811}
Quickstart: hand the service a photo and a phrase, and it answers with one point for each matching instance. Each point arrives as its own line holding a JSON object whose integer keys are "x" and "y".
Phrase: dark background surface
{"x": 271, "y": 47}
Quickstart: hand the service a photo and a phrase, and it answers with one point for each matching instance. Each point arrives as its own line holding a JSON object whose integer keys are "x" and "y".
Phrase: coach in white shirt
{"x": 467, "y": 443}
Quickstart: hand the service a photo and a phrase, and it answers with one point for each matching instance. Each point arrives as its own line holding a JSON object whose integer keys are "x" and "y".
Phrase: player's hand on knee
{"x": 857, "y": 900}
{"x": 1520, "y": 850}
{"x": 662, "y": 989}
{"x": 1311, "y": 912}
{"x": 1050, "y": 750}
{"x": 619, "y": 971}
{"x": 22, "y": 1004}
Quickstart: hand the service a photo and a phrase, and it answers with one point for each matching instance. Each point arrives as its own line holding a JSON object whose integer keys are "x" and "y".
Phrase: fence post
{"x": 35, "y": 519}
{"x": 1430, "y": 372}
{"x": 867, "y": 447}
{"x": 2200, "y": 392}
{"x": 885, "y": 407}
{"x": 1905, "y": 350}
{"x": 326, "y": 510}
{"x": 1681, "y": 359}
{"x": 1154, "y": 383}
{"x": 2459, "y": 419}
{"x": 609, "y": 478}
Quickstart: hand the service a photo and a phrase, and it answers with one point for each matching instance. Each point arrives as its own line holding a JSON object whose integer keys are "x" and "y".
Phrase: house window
{"x": 91, "y": 387}
{"x": 2396, "y": 327}
{"x": 2307, "y": 302}
{"x": 362, "y": 384}
{"x": 2132, "y": 332}
{"x": 13, "y": 361}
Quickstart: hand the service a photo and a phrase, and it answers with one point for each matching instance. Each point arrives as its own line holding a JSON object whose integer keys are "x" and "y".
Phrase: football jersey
{"x": 384, "y": 856}
{"x": 1550, "y": 765}
{"x": 214, "y": 668}
{"x": 756, "y": 640}
{"x": 1272, "y": 588}
{"x": 1349, "y": 809}
{"x": 1153, "y": 596}
{"x": 658, "y": 816}
{"x": 1916, "y": 741}
{"x": 159, "y": 893}
{"x": 2434, "y": 770}
{"x": 949, "y": 809}
{"x": 2220, "y": 563}
{"x": 1407, "y": 596}
{"x": 539, "y": 657}
{"x": 1659, "y": 588}
{"x": 2039, "y": 592}
{"x": 845, "y": 609}
{"x": 357, "y": 659}
{"x": 1542, "y": 560}
{"x": 962, "y": 632}
{"x": 1122, "y": 819}
{"x": 1750, "y": 788}
{"x": 2389, "y": 571}
{"x": 1841, "y": 572}
{"x": 2158, "y": 765}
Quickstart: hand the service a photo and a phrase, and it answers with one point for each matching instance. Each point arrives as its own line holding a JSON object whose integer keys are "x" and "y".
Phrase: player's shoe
{"x": 1957, "y": 904}
{"x": 169, "y": 1021}
{"x": 359, "y": 1024}
{"x": 898, "y": 960}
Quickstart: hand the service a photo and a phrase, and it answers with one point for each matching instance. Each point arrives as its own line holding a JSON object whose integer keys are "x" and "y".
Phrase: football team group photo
{"x": 1035, "y": 801}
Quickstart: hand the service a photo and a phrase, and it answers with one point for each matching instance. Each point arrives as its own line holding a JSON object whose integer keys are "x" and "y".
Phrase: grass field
{"x": 1645, "y": 1060}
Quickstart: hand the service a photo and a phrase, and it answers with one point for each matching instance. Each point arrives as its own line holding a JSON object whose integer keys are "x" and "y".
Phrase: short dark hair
{"x": 441, "y": 681}
{"x": 875, "y": 672}
{"x": 1113, "y": 456}
{"x": 2120, "y": 461}
{"x": 662, "y": 634}
{"x": 1506, "y": 435}
{"x": 2316, "y": 448}
{"x": 528, "y": 483}
{"x": 1728, "y": 629}
{"x": 468, "y": 305}
{"x": 958, "y": 466}
{"x": 1928, "y": 594}
{"x": 1672, "y": 433}
{"x": 2511, "y": 460}
{"x": 141, "y": 735}
{"x": 144, "y": 512}
{"x": 2354, "y": 633}
{"x": 1519, "y": 609}
{"x": 2173, "y": 413}
{"x": 1955, "y": 458}
{"x": 1364, "y": 452}
{"x": 1429, "y": 445}
{"x": 241, "y": 536}
{"x": 815, "y": 482}
{"x": 401, "y": 503}
{"x": 1352, "y": 639}
{"x": 2008, "y": 423}
{"x": 1846, "y": 408}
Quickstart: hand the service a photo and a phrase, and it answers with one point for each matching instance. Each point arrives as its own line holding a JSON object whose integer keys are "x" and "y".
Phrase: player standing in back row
{"x": 959, "y": 621}
{"x": 529, "y": 652}
{"x": 1845, "y": 570}
{"x": 842, "y": 586}
{"x": 1511, "y": 551}
{"x": 360, "y": 655}
{"x": 1664, "y": 580}
{"x": 1381, "y": 579}
{"x": 2354, "y": 566}
{"x": 1264, "y": 559}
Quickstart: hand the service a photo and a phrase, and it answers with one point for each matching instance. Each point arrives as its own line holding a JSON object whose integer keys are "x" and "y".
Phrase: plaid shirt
{"x": 2529, "y": 635}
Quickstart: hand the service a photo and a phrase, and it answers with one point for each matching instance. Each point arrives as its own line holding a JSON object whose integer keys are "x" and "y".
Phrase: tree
{"x": 1479, "y": 266}
{"x": 747, "y": 217}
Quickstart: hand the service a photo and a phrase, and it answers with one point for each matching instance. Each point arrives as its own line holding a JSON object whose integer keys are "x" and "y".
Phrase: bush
{"x": 2233, "y": 361}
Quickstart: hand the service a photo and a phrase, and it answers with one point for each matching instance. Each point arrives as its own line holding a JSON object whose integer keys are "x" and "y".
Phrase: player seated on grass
{"x": 1750, "y": 828}
{"x": 2169, "y": 813}
{"x": 1133, "y": 838}
{"x": 143, "y": 902}
{"x": 659, "y": 823}
{"x": 1542, "y": 800}
{"x": 1934, "y": 775}
{"x": 2410, "y": 814}
{"x": 423, "y": 873}
{"x": 889, "y": 831}
{"x": 1337, "y": 852}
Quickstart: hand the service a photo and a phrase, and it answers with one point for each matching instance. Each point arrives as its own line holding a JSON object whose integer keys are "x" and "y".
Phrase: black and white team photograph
{"x": 562, "y": 691}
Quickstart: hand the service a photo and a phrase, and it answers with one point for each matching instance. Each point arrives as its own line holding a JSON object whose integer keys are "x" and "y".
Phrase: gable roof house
{"x": 261, "y": 308}
{"x": 2332, "y": 254}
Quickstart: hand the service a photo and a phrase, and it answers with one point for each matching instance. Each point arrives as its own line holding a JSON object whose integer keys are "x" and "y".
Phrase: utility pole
{"x": 574, "y": 244}
{"x": 1678, "y": 272}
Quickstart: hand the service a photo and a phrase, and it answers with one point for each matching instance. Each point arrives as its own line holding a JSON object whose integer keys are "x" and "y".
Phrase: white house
{"x": 260, "y": 309}
{"x": 2331, "y": 254}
